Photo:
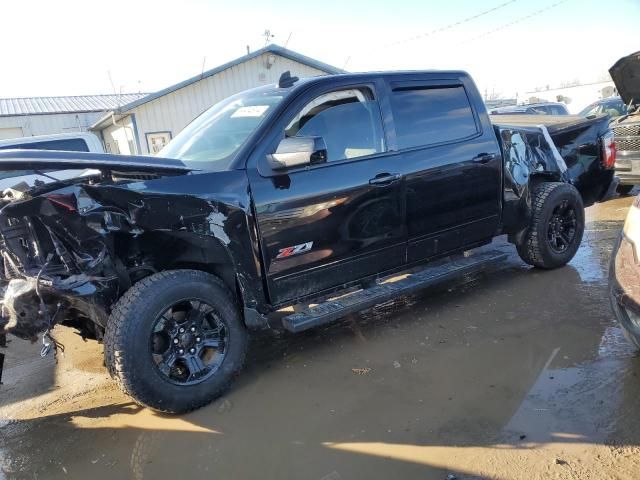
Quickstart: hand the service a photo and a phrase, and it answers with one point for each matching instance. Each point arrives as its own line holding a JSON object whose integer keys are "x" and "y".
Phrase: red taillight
{"x": 608, "y": 150}
{"x": 62, "y": 200}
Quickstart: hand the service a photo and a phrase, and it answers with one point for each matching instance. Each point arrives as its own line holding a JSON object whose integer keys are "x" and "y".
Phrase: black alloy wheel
{"x": 189, "y": 342}
{"x": 561, "y": 230}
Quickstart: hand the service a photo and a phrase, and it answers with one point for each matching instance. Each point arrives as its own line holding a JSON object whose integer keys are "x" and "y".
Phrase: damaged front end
{"x": 46, "y": 281}
{"x": 61, "y": 248}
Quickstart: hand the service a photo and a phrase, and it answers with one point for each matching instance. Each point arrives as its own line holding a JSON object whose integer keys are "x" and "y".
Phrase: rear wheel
{"x": 175, "y": 340}
{"x": 556, "y": 228}
{"x": 625, "y": 189}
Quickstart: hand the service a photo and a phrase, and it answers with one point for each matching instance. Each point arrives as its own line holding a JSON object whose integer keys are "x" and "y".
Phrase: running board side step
{"x": 433, "y": 274}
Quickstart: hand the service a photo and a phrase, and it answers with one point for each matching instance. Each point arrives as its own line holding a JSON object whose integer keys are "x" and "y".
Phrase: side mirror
{"x": 297, "y": 151}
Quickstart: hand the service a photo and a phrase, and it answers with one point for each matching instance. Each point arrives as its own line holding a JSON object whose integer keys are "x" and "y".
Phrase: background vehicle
{"x": 286, "y": 195}
{"x": 625, "y": 74}
{"x": 624, "y": 276}
{"x": 532, "y": 109}
{"x": 74, "y": 142}
{"x": 612, "y": 106}
{"x": 77, "y": 142}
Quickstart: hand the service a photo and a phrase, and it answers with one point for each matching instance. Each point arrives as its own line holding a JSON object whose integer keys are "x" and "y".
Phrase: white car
{"x": 76, "y": 142}
{"x": 624, "y": 275}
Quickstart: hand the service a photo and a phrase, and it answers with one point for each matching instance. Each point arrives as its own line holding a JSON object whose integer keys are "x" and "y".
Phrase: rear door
{"x": 325, "y": 225}
{"x": 451, "y": 162}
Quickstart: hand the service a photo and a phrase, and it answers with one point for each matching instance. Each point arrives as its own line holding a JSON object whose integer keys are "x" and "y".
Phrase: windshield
{"x": 211, "y": 141}
{"x": 612, "y": 108}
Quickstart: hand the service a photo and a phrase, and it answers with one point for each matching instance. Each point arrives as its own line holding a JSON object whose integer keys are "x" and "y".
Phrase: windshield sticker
{"x": 250, "y": 111}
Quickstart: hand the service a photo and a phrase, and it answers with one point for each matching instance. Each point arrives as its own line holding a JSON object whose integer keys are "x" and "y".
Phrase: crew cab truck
{"x": 278, "y": 196}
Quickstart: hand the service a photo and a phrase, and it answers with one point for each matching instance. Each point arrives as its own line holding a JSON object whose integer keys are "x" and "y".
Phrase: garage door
{"x": 6, "y": 133}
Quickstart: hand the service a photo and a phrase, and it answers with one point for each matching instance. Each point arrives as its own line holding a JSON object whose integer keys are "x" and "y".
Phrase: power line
{"x": 514, "y": 22}
{"x": 451, "y": 25}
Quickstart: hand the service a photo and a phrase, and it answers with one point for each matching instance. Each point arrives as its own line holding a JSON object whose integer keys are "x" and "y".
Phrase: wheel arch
{"x": 532, "y": 245}
{"x": 211, "y": 255}
{"x": 171, "y": 250}
{"x": 517, "y": 213}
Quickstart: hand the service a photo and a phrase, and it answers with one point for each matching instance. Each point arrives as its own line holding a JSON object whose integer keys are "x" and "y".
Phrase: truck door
{"x": 453, "y": 165}
{"x": 327, "y": 224}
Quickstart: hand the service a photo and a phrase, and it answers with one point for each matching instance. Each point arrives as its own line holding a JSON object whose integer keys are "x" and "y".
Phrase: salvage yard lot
{"x": 515, "y": 373}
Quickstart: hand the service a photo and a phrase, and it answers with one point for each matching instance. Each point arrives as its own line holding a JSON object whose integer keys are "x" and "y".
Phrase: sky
{"x": 78, "y": 47}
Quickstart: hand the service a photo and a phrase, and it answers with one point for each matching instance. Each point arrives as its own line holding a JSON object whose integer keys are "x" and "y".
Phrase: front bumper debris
{"x": 22, "y": 312}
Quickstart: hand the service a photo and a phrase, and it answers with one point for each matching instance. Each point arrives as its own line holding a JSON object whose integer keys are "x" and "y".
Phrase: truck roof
{"x": 445, "y": 74}
{"x": 369, "y": 76}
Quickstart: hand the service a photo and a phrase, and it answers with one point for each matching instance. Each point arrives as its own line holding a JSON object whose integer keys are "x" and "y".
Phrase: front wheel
{"x": 556, "y": 226}
{"x": 175, "y": 341}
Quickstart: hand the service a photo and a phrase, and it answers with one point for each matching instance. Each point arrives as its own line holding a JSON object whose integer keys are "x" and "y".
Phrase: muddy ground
{"x": 511, "y": 374}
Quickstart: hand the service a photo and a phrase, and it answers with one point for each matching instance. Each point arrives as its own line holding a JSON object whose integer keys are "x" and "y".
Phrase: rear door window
{"x": 429, "y": 115}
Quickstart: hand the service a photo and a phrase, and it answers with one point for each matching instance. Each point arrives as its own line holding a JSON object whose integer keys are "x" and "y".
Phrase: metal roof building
{"x": 146, "y": 124}
{"x": 48, "y": 115}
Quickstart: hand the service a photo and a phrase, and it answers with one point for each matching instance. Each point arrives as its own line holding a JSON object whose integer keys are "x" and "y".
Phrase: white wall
{"x": 28, "y": 125}
{"x": 174, "y": 111}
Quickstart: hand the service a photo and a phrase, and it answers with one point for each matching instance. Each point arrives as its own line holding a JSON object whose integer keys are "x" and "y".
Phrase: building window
{"x": 157, "y": 140}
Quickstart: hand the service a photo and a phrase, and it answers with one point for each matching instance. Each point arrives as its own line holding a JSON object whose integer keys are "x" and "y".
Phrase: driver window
{"x": 347, "y": 120}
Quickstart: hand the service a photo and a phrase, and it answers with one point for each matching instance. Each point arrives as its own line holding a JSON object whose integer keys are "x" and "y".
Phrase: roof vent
{"x": 286, "y": 80}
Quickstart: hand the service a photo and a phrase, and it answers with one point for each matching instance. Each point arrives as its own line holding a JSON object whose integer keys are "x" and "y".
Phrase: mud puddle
{"x": 514, "y": 373}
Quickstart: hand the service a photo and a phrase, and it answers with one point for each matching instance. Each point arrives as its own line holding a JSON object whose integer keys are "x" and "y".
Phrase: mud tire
{"x": 127, "y": 340}
{"x": 534, "y": 247}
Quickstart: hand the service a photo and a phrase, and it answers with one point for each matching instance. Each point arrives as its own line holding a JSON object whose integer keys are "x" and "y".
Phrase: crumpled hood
{"x": 58, "y": 160}
{"x": 626, "y": 76}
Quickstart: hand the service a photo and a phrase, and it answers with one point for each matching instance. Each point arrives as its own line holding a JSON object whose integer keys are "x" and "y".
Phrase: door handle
{"x": 383, "y": 179}
{"x": 484, "y": 158}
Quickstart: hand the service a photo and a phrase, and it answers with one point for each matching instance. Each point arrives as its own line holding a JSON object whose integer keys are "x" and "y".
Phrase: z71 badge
{"x": 295, "y": 250}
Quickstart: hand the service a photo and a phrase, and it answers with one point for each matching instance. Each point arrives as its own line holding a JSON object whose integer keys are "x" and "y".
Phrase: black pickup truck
{"x": 311, "y": 192}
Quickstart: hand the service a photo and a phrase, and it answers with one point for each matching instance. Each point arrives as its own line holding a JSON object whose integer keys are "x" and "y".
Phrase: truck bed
{"x": 577, "y": 140}
{"x": 554, "y": 123}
